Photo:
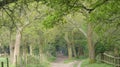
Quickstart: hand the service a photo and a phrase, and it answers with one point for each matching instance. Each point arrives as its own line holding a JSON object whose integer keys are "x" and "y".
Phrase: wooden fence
{"x": 109, "y": 59}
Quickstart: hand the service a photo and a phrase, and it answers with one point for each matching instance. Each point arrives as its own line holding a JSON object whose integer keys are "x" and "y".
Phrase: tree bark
{"x": 11, "y": 46}
{"x": 90, "y": 44}
{"x": 69, "y": 50}
{"x": 74, "y": 51}
{"x": 42, "y": 53}
{"x": 31, "y": 50}
{"x": 73, "y": 45}
{"x": 11, "y": 51}
{"x": 69, "y": 46}
{"x": 41, "y": 50}
{"x": 17, "y": 45}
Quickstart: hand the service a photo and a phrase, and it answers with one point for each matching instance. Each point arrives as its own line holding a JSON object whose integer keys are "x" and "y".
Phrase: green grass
{"x": 38, "y": 65}
{"x": 81, "y": 57}
{"x": 69, "y": 60}
{"x": 75, "y": 65}
{"x": 51, "y": 59}
{"x": 4, "y": 60}
{"x": 73, "y": 59}
{"x": 85, "y": 63}
{"x": 45, "y": 64}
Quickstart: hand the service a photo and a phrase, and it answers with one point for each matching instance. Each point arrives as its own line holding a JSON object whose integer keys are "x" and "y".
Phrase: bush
{"x": 38, "y": 65}
{"x": 32, "y": 61}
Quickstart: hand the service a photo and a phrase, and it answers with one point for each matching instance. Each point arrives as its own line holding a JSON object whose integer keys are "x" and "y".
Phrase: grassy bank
{"x": 31, "y": 62}
{"x": 69, "y": 60}
{"x": 85, "y": 63}
{"x": 75, "y": 58}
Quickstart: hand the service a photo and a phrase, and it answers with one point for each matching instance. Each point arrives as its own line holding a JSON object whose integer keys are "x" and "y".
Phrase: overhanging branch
{"x": 96, "y": 6}
{"x": 5, "y": 2}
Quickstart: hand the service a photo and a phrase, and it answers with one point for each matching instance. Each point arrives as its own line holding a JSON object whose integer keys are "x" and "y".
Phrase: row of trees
{"x": 40, "y": 22}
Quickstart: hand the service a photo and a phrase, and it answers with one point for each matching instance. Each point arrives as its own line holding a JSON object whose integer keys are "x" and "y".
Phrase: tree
{"x": 106, "y": 18}
{"x": 69, "y": 45}
{"x": 86, "y": 9}
{"x": 22, "y": 19}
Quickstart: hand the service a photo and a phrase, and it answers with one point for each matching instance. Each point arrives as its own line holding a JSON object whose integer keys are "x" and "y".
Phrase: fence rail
{"x": 109, "y": 59}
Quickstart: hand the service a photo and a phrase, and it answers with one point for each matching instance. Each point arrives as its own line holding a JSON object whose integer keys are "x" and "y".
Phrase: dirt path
{"x": 60, "y": 62}
{"x": 79, "y": 64}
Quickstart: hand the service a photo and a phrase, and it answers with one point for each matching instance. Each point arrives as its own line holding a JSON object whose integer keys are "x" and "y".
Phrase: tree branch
{"x": 76, "y": 26}
{"x": 5, "y": 2}
{"x": 96, "y": 6}
{"x": 11, "y": 16}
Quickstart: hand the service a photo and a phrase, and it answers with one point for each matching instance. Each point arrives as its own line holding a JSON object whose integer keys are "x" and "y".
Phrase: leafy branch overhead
{"x": 61, "y": 7}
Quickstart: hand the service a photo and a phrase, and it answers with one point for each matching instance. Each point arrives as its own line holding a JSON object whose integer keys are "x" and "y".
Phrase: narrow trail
{"x": 79, "y": 64}
{"x": 59, "y": 62}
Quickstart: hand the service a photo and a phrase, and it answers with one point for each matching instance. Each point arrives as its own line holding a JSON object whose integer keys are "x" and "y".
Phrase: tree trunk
{"x": 41, "y": 50}
{"x": 116, "y": 52}
{"x": 42, "y": 54}
{"x": 17, "y": 45}
{"x": 73, "y": 45}
{"x": 11, "y": 51}
{"x": 78, "y": 51}
{"x": 69, "y": 46}
{"x": 90, "y": 44}
{"x": 74, "y": 51}
{"x": 69, "y": 50}
{"x": 25, "y": 51}
{"x": 11, "y": 46}
{"x": 31, "y": 50}
{"x": 81, "y": 51}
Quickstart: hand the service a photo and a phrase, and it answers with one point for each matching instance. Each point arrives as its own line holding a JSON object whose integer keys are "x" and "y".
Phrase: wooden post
{"x": 2, "y": 64}
{"x": 114, "y": 62}
{"x": 119, "y": 62}
{"x": 21, "y": 62}
{"x": 16, "y": 60}
{"x": 102, "y": 57}
{"x": 7, "y": 62}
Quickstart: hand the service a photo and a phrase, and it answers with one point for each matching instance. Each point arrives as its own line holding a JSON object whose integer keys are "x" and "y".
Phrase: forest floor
{"x": 59, "y": 62}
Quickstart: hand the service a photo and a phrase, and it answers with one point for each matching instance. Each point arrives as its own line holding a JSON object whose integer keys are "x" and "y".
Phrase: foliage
{"x": 52, "y": 58}
{"x": 105, "y": 20}
{"x": 101, "y": 48}
{"x": 44, "y": 24}
{"x": 32, "y": 61}
{"x": 107, "y": 13}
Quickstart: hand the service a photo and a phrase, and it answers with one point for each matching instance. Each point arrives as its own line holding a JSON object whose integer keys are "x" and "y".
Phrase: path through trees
{"x": 59, "y": 62}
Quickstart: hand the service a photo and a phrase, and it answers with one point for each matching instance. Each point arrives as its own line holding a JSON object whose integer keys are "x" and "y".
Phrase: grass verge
{"x": 70, "y": 60}
{"x": 75, "y": 65}
{"x": 85, "y": 63}
{"x": 51, "y": 59}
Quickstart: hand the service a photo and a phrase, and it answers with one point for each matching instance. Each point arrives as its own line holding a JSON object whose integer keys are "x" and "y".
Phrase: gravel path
{"x": 60, "y": 62}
